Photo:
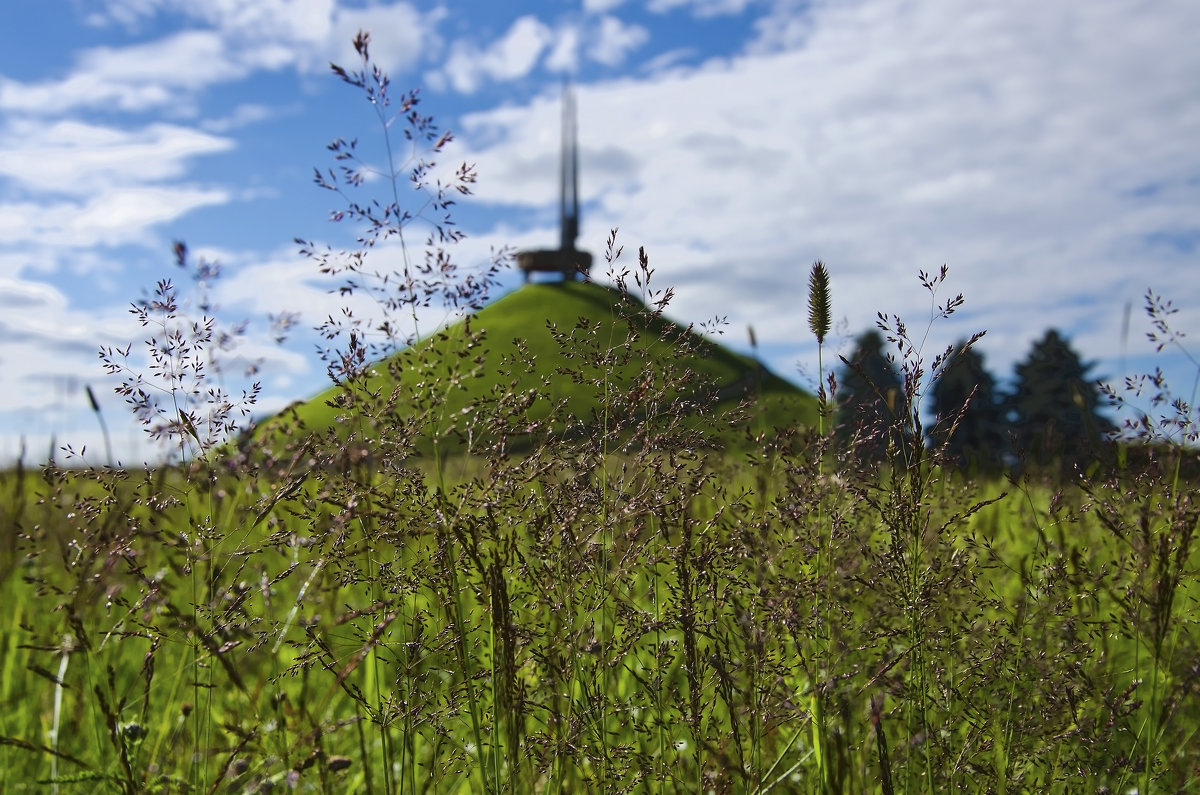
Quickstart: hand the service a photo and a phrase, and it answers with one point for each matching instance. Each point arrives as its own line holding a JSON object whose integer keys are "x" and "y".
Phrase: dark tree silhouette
{"x": 870, "y": 398}
{"x": 1054, "y": 407}
{"x": 969, "y": 425}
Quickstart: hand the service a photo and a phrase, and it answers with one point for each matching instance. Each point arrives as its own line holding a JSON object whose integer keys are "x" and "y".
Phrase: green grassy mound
{"x": 551, "y": 356}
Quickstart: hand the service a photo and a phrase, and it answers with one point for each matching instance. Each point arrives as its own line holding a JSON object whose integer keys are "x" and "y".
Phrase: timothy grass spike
{"x": 820, "y": 310}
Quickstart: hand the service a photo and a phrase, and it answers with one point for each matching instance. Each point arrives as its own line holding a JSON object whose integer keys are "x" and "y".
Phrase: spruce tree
{"x": 870, "y": 398}
{"x": 969, "y": 427}
{"x": 1054, "y": 407}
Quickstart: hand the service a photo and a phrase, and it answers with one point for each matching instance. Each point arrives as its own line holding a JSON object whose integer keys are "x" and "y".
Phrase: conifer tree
{"x": 1054, "y": 407}
{"x": 969, "y": 425}
{"x": 870, "y": 398}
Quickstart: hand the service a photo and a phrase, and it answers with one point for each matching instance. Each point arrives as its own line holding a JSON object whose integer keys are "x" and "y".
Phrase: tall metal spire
{"x": 566, "y": 260}
{"x": 570, "y": 172}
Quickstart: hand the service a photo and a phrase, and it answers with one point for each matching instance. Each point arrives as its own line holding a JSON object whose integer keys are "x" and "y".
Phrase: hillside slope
{"x": 546, "y": 356}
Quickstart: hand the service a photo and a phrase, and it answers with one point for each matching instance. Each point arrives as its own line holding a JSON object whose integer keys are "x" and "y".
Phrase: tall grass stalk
{"x": 820, "y": 320}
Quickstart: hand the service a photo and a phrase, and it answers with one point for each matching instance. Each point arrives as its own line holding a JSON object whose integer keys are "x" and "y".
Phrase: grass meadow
{"x": 449, "y": 576}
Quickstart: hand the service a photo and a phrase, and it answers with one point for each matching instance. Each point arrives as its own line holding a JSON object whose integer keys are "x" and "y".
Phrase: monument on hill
{"x": 566, "y": 260}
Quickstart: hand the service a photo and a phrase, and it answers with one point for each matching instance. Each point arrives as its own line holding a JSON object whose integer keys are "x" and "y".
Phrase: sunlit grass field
{"x": 622, "y": 611}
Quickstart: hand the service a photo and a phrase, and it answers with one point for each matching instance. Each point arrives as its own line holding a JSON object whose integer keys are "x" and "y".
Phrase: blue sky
{"x": 1045, "y": 152}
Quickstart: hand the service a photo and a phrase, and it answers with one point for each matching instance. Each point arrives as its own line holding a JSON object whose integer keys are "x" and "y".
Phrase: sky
{"x": 1046, "y": 153}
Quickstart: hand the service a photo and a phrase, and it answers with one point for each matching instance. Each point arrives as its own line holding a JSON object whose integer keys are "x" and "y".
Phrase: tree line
{"x": 1049, "y": 417}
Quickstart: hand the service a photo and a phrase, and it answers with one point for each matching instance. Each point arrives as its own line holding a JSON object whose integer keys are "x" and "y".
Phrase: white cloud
{"x": 304, "y": 33}
{"x": 78, "y": 159}
{"x": 49, "y": 343}
{"x": 244, "y": 115}
{"x": 614, "y": 40}
{"x": 606, "y": 40}
{"x": 113, "y": 217}
{"x": 402, "y": 37}
{"x": 512, "y": 56}
{"x": 308, "y": 34}
{"x": 564, "y": 55}
{"x": 665, "y": 62}
{"x": 132, "y": 78}
{"x": 600, "y": 6}
{"x": 243, "y": 38}
{"x": 700, "y": 8}
{"x": 127, "y": 13}
{"x": 786, "y": 25}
